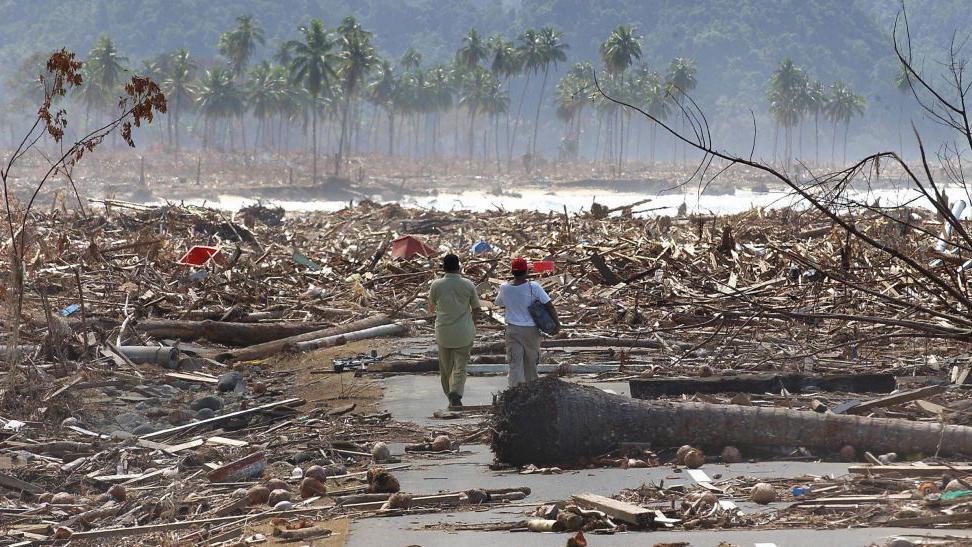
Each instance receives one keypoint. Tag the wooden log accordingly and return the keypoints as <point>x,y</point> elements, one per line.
<point>896,399</point>
<point>302,533</point>
<point>647,388</point>
<point>17,485</point>
<point>916,471</point>
<point>218,419</point>
<point>393,329</point>
<point>231,334</point>
<point>259,351</point>
<point>619,510</point>
<point>437,499</point>
<point>550,422</point>
<point>607,274</point>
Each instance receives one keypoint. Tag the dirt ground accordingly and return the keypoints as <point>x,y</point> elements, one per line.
<point>318,385</point>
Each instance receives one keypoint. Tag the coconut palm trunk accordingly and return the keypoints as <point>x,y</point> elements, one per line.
<point>314,147</point>
<point>519,110</point>
<point>391,134</point>
<point>549,422</point>
<point>536,120</point>
<point>343,137</point>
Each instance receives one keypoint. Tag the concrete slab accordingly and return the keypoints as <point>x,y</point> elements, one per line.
<point>470,470</point>
<point>404,531</point>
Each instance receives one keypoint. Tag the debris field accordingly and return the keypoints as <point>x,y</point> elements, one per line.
<point>192,375</point>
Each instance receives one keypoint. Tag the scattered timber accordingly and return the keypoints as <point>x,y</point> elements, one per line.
<point>261,350</point>
<point>647,388</point>
<point>896,399</point>
<point>393,329</point>
<point>220,332</point>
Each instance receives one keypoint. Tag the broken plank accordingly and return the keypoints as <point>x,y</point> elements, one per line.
<point>84,431</point>
<point>625,512</point>
<point>223,441</point>
<point>195,443</point>
<point>897,398</point>
<point>152,445</point>
<point>63,388</point>
<point>222,418</point>
<point>192,377</point>
<point>931,408</point>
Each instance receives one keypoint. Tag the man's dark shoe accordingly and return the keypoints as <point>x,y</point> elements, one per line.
<point>455,400</point>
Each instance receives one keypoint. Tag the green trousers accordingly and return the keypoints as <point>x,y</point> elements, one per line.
<point>452,368</point>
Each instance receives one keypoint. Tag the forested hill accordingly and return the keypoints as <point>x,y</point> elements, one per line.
<point>735,43</point>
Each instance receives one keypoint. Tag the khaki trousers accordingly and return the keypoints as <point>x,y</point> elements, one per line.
<point>452,368</point>
<point>522,353</point>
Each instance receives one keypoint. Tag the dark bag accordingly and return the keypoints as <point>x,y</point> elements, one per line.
<point>541,317</point>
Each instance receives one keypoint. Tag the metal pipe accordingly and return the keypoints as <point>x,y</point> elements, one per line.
<point>152,355</point>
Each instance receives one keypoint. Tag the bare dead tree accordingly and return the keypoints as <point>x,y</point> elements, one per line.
<point>140,100</point>
<point>936,302</point>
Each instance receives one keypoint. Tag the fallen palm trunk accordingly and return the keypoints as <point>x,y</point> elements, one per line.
<point>259,351</point>
<point>647,388</point>
<point>232,334</point>
<point>551,422</point>
<point>394,329</point>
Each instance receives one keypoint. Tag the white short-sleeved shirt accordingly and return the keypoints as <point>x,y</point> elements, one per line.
<point>517,299</point>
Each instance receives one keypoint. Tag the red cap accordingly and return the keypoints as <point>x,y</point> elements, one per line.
<point>519,265</point>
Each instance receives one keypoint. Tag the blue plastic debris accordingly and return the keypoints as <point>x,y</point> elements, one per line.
<point>304,261</point>
<point>800,490</point>
<point>66,312</point>
<point>481,247</point>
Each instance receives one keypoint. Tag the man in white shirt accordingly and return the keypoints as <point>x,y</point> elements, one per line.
<point>522,334</point>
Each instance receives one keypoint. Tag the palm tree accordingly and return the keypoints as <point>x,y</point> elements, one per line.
<point>530,55</point>
<point>411,60</point>
<point>472,51</point>
<point>284,54</point>
<point>657,103</point>
<point>178,87</point>
<point>506,63</point>
<point>218,97</point>
<point>479,89</point>
<point>680,80</point>
<point>356,60</point>
<point>572,95</point>
<point>787,99</point>
<point>381,92</point>
<point>816,104</point>
<point>312,67</point>
<point>439,97</point>
<point>844,104</point>
<point>102,75</point>
<point>620,49</point>
<point>238,44</point>
<point>156,68</point>
<point>265,92</point>
<point>551,51</point>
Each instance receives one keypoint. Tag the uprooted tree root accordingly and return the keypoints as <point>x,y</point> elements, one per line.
<point>524,415</point>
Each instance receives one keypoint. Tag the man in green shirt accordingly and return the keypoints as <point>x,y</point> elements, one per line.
<point>453,300</point>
